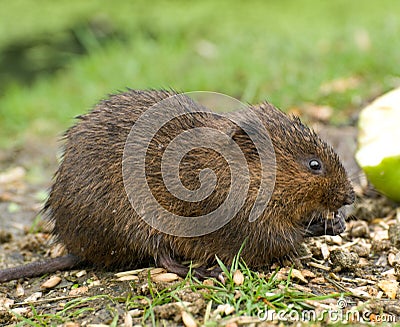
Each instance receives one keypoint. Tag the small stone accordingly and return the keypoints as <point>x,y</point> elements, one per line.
<point>157,271</point>
<point>397,271</point>
<point>20,290</point>
<point>34,297</point>
<point>380,235</point>
<point>81,273</point>
<point>364,262</point>
<point>393,308</point>
<point>238,277</point>
<point>5,303</point>
<point>5,236</point>
<point>359,228</point>
<point>51,282</point>
<point>144,289</point>
<point>389,287</point>
<point>303,250</point>
<point>208,282</point>
<point>174,309</point>
<point>281,275</point>
<point>296,274</point>
<point>391,258</point>
<point>382,261</point>
<point>316,249</point>
<point>20,311</point>
<point>79,291</point>
<point>307,273</point>
<point>188,319</point>
<point>373,291</point>
<point>238,294</point>
<point>389,274</point>
<point>128,321</point>
<point>344,259</point>
<point>381,246</point>
<point>362,251</point>
<point>396,264</point>
<point>394,235</point>
<point>165,277</point>
<point>128,278</point>
<point>337,239</point>
<point>325,251</point>
<point>227,309</point>
<point>94,283</point>
<point>135,312</point>
<point>71,324</point>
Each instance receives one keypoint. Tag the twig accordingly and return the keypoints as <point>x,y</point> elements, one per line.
<point>335,283</point>
<point>46,300</point>
<point>317,265</point>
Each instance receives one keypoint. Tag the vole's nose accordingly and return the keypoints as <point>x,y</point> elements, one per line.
<point>350,197</point>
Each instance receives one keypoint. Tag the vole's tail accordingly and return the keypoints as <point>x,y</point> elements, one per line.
<point>39,268</point>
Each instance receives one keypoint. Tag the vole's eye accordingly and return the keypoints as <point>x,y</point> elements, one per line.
<point>315,165</point>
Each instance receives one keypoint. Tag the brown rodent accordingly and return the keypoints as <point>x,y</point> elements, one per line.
<point>95,221</point>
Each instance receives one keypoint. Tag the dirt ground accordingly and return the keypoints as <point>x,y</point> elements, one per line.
<point>364,262</point>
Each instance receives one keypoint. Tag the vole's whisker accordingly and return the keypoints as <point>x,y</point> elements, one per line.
<point>310,222</point>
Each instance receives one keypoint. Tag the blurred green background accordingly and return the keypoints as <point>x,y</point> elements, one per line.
<point>58,58</point>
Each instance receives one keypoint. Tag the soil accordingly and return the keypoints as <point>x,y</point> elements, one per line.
<point>364,262</point>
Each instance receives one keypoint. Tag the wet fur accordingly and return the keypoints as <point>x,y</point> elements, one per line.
<point>95,221</point>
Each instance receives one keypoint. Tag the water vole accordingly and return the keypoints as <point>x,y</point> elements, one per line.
<point>97,223</point>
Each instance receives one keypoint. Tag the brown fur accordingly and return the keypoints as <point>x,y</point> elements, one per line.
<point>96,222</point>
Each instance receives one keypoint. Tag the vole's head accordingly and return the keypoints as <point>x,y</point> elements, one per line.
<point>310,180</point>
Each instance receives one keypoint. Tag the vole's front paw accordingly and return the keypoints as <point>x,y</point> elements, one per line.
<point>332,225</point>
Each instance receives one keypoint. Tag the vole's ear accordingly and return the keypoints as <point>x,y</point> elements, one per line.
<point>241,128</point>
<point>233,131</point>
<point>243,136</point>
